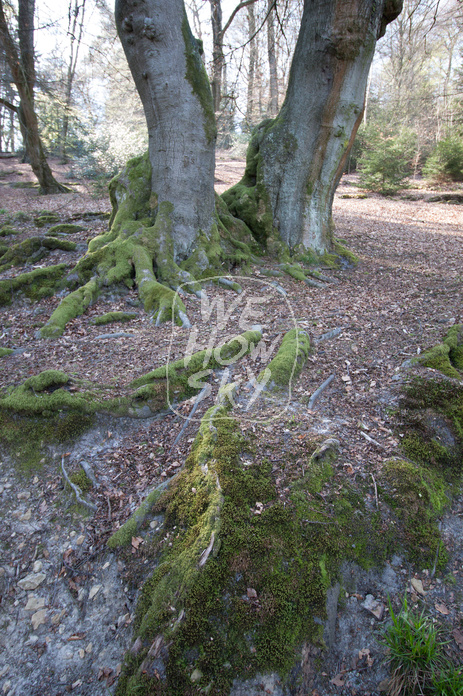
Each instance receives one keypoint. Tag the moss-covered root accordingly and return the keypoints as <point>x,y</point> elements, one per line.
<point>70,307</point>
<point>287,364</point>
<point>45,394</point>
<point>111,317</point>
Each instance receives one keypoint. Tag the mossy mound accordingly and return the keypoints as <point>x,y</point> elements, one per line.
<point>36,284</point>
<point>110,317</point>
<point>446,357</point>
<point>46,218</point>
<point>240,578</point>
<point>5,351</point>
<point>7,231</point>
<point>64,228</point>
<point>432,415</point>
<point>418,495</point>
<point>32,250</point>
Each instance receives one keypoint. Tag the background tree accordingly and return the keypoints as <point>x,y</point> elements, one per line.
<point>20,60</point>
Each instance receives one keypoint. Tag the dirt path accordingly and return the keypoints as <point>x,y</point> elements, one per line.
<point>69,632</point>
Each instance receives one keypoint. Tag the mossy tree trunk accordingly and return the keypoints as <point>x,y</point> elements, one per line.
<point>170,77</point>
<point>295,161</point>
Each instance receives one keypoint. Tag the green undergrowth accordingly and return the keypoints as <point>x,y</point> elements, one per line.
<point>26,438</point>
<point>417,656</point>
<point>240,577</point>
<point>36,284</point>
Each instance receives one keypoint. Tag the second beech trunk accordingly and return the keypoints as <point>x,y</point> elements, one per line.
<point>296,160</point>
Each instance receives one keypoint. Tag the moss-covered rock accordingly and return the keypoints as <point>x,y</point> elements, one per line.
<point>7,231</point>
<point>446,357</point>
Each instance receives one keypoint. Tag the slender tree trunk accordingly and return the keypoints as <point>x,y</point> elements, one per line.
<point>250,109</point>
<point>172,82</point>
<point>295,162</point>
<point>272,60</point>
<point>217,53</point>
<point>75,30</point>
<point>23,72</point>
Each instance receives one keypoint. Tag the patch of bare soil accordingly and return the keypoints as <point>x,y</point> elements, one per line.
<point>67,604</point>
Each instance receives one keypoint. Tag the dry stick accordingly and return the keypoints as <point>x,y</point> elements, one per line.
<point>376,490</point>
<point>320,389</point>
<point>76,489</point>
<point>373,442</point>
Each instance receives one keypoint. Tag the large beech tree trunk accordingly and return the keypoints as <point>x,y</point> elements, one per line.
<point>21,64</point>
<point>170,77</point>
<point>295,161</point>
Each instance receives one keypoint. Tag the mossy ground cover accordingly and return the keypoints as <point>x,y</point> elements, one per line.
<point>261,590</point>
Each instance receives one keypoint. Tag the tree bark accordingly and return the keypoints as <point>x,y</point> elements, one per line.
<point>73,25</point>
<point>23,72</point>
<point>252,66</point>
<point>171,80</point>
<point>295,161</point>
<point>272,60</point>
<point>217,53</point>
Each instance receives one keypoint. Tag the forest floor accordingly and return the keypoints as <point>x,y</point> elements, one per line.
<point>68,632</point>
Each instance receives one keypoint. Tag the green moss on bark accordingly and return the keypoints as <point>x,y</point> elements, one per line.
<point>110,317</point>
<point>289,360</point>
<point>32,250</point>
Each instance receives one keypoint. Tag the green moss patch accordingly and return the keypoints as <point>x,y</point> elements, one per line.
<point>241,578</point>
<point>5,351</point>
<point>27,438</point>
<point>418,496</point>
<point>446,357</point>
<point>7,231</point>
<point>45,394</point>
<point>32,250</point>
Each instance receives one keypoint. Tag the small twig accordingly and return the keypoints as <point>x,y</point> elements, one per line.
<point>109,508</point>
<point>320,389</point>
<point>376,490</point>
<point>370,439</point>
<point>76,489</point>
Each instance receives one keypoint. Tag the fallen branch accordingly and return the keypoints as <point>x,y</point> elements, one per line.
<point>320,389</point>
<point>328,334</point>
<point>373,442</point>
<point>76,489</point>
